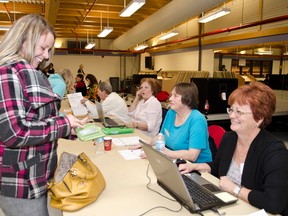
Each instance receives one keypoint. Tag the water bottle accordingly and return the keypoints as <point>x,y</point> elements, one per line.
<point>160,142</point>
<point>99,143</point>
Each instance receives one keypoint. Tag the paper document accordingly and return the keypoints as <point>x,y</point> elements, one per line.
<point>77,107</point>
<point>261,212</point>
<point>131,154</point>
<point>126,141</point>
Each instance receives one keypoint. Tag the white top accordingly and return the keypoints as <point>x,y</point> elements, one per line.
<point>113,105</point>
<point>149,112</point>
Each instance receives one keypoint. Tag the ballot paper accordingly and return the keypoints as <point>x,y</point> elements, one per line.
<point>78,109</point>
<point>126,141</point>
<point>131,154</point>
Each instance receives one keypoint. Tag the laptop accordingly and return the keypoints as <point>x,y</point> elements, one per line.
<point>171,180</point>
<point>106,122</point>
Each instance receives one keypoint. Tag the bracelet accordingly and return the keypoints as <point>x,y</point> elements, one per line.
<point>237,190</point>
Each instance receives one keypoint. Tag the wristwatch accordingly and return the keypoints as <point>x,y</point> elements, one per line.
<point>236,190</point>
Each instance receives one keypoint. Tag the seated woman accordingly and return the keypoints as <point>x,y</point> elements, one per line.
<point>185,128</point>
<point>146,110</point>
<point>80,85</point>
<point>92,87</point>
<point>251,163</point>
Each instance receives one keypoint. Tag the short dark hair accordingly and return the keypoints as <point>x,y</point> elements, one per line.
<point>189,94</point>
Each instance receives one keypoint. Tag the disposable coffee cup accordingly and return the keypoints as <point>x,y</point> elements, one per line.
<point>107,143</point>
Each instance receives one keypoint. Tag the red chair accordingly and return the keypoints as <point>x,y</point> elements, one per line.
<point>216,132</point>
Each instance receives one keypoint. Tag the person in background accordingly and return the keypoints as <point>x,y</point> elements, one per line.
<point>146,110</point>
<point>112,103</point>
<point>58,84</point>
<point>92,87</point>
<point>68,78</point>
<point>223,68</point>
<point>80,70</point>
<point>30,122</point>
<point>251,163</point>
<point>80,85</point>
<point>184,127</point>
<point>51,69</point>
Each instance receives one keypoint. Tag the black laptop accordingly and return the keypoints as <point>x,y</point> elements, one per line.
<point>191,190</point>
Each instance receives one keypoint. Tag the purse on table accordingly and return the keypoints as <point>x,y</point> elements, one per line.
<point>76,183</point>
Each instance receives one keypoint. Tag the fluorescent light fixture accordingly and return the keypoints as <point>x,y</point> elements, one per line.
<point>4,28</point>
<point>214,15</point>
<point>141,46</point>
<point>168,35</point>
<point>4,1</point>
<point>90,45</point>
<point>264,52</point>
<point>132,7</point>
<point>105,31</point>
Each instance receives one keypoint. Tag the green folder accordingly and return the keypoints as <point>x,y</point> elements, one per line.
<point>89,132</point>
<point>117,130</point>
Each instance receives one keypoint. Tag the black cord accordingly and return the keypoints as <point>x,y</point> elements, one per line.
<point>159,207</point>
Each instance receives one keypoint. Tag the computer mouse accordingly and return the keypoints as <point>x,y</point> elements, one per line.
<point>180,161</point>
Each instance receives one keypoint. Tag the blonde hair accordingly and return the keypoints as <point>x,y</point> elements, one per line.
<point>68,79</point>
<point>28,29</point>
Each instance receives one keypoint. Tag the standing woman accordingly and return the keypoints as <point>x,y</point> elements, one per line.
<point>92,88</point>
<point>146,110</point>
<point>184,127</point>
<point>30,122</point>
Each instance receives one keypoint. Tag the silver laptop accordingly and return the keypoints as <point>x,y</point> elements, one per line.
<point>177,185</point>
<point>106,122</point>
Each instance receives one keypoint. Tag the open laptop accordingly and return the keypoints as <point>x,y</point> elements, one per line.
<point>171,180</point>
<point>106,122</point>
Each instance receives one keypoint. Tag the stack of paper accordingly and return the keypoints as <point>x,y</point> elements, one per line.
<point>78,109</point>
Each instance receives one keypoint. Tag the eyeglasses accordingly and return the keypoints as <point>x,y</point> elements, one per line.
<point>236,112</point>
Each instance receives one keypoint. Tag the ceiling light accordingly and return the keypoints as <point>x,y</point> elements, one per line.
<point>141,46</point>
<point>105,31</point>
<point>4,28</point>
<point>168,35</point>
<point>214,15</point>
<point>4,1</point>
<point>262,51</point>
<point>90,45</point>
<point>132,7</point>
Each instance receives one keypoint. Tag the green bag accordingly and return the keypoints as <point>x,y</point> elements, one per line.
<point>117,130</point>
<point>89,132</point>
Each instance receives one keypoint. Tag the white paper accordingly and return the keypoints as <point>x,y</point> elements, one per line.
<point>226,197</point>
<point>261,212</point>
<point>131,154</point>
<point>77,107</point>
<point>126,141</point>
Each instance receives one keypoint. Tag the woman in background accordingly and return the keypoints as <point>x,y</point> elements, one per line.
<point>185,128</point>
<point>251,163</point>
<point>80,85</point>
<point>30,122</point>
<point>146,110</point>
<point>92,87</point>
<point>68,78</point>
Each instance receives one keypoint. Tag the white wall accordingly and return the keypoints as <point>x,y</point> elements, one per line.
<point>102,68</point>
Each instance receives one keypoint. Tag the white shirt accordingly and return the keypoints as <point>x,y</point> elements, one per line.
<point>149,112</point>
<point>113,105</point>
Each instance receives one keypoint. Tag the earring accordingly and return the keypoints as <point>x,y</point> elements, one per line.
<point>257,125</point>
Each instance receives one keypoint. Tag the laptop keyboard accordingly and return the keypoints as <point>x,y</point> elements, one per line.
<point>111,122</point>
<point>200,196</point>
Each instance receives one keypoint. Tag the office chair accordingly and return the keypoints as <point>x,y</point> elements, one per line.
<point>216,132</point>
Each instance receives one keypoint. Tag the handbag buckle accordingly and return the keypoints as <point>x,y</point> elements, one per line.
<point>74,172</point>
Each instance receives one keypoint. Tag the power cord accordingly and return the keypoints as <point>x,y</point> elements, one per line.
<point>158,207</point>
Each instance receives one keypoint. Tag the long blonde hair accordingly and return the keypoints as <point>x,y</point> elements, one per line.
<point>68,79</point>
<point>28,29</point>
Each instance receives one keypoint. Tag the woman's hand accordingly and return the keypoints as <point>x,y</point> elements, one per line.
<point>84,100</point>
<point>186,168</point>
<point>132,125</point>
<point>75,122</point>
<point>226,184</point>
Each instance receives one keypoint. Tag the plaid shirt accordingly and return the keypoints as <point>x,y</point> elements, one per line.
<point>30,126</point>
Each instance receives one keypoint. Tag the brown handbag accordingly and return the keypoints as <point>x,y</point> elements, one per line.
<point>76,184</point>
